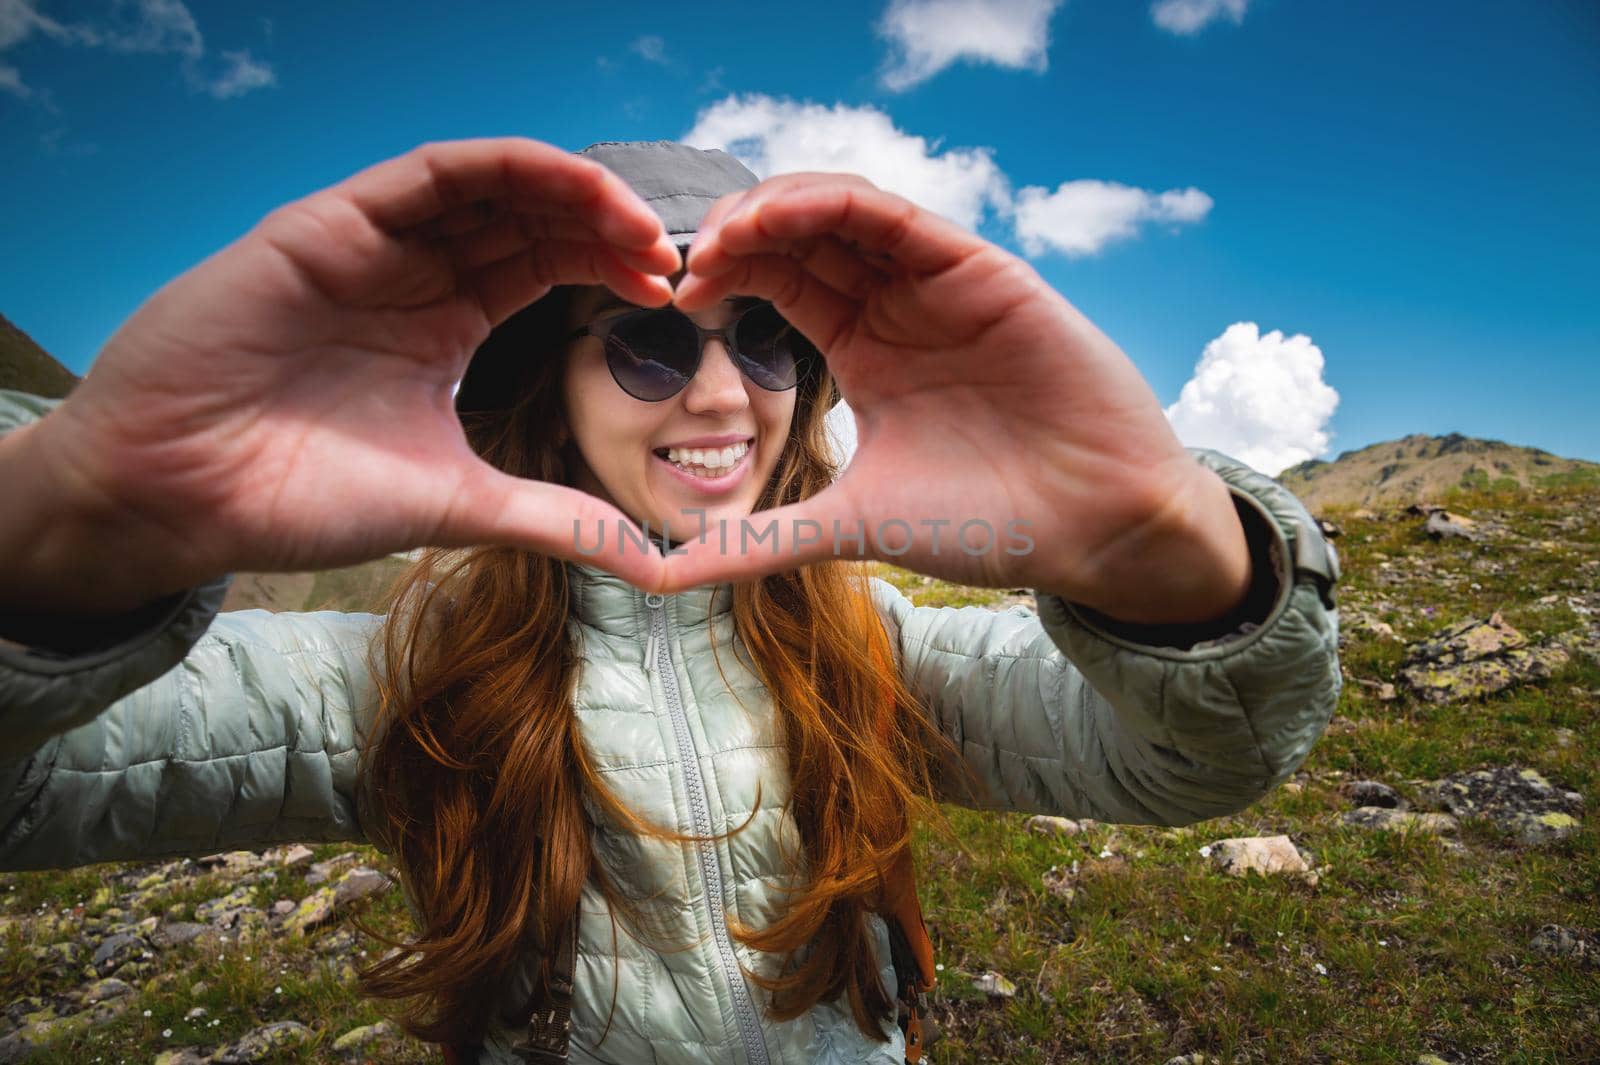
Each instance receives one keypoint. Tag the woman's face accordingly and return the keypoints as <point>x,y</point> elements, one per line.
<point>626,447</point>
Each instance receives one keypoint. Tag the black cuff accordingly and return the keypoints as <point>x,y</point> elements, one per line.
<point>60,637</point>
<point>1254,609</point>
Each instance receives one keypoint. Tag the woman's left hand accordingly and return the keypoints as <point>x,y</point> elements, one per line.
<point>979,393</point>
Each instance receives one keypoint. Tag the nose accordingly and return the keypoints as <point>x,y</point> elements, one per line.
<point>718,386</point>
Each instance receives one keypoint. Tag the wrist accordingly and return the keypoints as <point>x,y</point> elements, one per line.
<point>1187,564</point>
<point>65,556</point>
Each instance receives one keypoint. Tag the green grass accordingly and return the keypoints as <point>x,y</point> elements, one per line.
<point>1422,944</point>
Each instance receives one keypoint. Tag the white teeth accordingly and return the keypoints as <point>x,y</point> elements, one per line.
<point>711,459</point>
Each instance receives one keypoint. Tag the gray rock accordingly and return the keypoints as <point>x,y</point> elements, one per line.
<point>358,1039</point>
<point>1517,800</point>
<point>108,988</point>
<point>1374,793</point>
<point>359,883</point>
<point>264,1042</point>
<point>1476,658</point>
<point>116,951</point>
<point>1562,942</point>
<point>321,872</point>
<point>1044,825</point>
<point>1385,819</point>
<point>176,933</point>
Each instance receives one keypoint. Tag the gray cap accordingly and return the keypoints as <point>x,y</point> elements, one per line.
<point>679,183</point>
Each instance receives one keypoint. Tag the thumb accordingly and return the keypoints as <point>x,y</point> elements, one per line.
<point>496,508</point>
<point>823,528</point>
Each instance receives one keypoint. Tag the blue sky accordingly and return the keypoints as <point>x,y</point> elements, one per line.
<point>1407,190</point>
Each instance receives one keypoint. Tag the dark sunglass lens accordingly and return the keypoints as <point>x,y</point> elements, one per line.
<point>772,350</point>
<point>652,354</point>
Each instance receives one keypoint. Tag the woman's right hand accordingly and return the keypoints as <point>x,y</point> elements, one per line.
<point>287,404</point>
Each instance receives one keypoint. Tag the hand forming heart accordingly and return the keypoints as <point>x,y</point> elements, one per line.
<point>286,404</point>
<point>981,396</point>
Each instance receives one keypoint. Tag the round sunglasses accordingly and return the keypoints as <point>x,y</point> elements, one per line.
<point>653,353</point>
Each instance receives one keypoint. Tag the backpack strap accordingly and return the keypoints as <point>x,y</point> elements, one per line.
<point>910,947</point>
<point>550,1019</point>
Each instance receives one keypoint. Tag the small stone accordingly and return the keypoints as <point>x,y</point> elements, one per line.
<point>994,985</point>
<point>295,856</point>
<point>116,951</point>
<point>1043,825</point>
<point>176,933</point>
<point>283,907</point>
<point>1383,818</point>
<point>1562,942</point>
<point>108,988</point>
<point>181,1056</point>
<point>265,1042</point>
<point>357,1039</point>
<point>196,1013</point>
<point>359,883</point>
<point>1267,855</point>
<point>1374,793</point>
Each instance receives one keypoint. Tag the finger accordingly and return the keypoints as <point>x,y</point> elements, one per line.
<point>434,179</point>
<point>512,234</point>
<point>494,507</point>
<point>878,222</point>
<point>821,529</point>
<point>820,312</point>
<point>731,203</point>
<point>504,287</point>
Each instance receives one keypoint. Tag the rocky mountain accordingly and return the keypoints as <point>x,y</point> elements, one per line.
<point>1419,468</point>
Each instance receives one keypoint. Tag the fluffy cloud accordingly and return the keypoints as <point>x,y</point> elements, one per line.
<point>1258,398</point>
<point>241,75</point>
<point>1081,217</point>
<point>925,36</point>
<point>1191,16</point>
<point>152,27</point>
<point>774,136</point>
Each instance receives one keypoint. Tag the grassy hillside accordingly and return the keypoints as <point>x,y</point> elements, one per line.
<point>1119,943</point>
<point>1421,468</point>
<point>27,367</point>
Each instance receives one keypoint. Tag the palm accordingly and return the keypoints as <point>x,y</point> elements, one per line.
<point>288,403</point>
<point>980,395</point>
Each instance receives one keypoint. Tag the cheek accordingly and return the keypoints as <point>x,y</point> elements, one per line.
<point>610,428</point>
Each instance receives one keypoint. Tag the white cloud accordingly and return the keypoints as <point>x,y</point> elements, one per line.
<point>149,27</point>
<point>1081,217</point>
<point>1188,17</point>
<point>925,36</point>
<point>650,47</point>
<point>775,136</point>
<point>1260,399</point>
<point>241,76</point>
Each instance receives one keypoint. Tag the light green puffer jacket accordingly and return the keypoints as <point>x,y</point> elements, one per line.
<point>194,732</point>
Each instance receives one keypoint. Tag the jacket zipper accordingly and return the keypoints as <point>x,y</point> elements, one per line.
<point>658,655</point>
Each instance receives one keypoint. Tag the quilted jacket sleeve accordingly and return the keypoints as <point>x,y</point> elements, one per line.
<point>175,730</point>
<point>1068,712</point>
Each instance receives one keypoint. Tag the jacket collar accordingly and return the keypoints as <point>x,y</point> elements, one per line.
<point>607,602</point>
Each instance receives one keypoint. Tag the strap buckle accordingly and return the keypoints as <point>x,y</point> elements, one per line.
<point>1315,555</point>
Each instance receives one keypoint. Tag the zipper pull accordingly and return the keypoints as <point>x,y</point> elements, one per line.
<point>653,601</point>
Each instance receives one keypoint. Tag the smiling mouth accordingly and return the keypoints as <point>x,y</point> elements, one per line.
<point>707,463</point>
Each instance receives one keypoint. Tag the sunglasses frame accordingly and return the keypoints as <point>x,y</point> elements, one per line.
<point>602,328</point>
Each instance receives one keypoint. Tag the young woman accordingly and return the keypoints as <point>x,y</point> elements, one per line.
<point>678,772</point>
